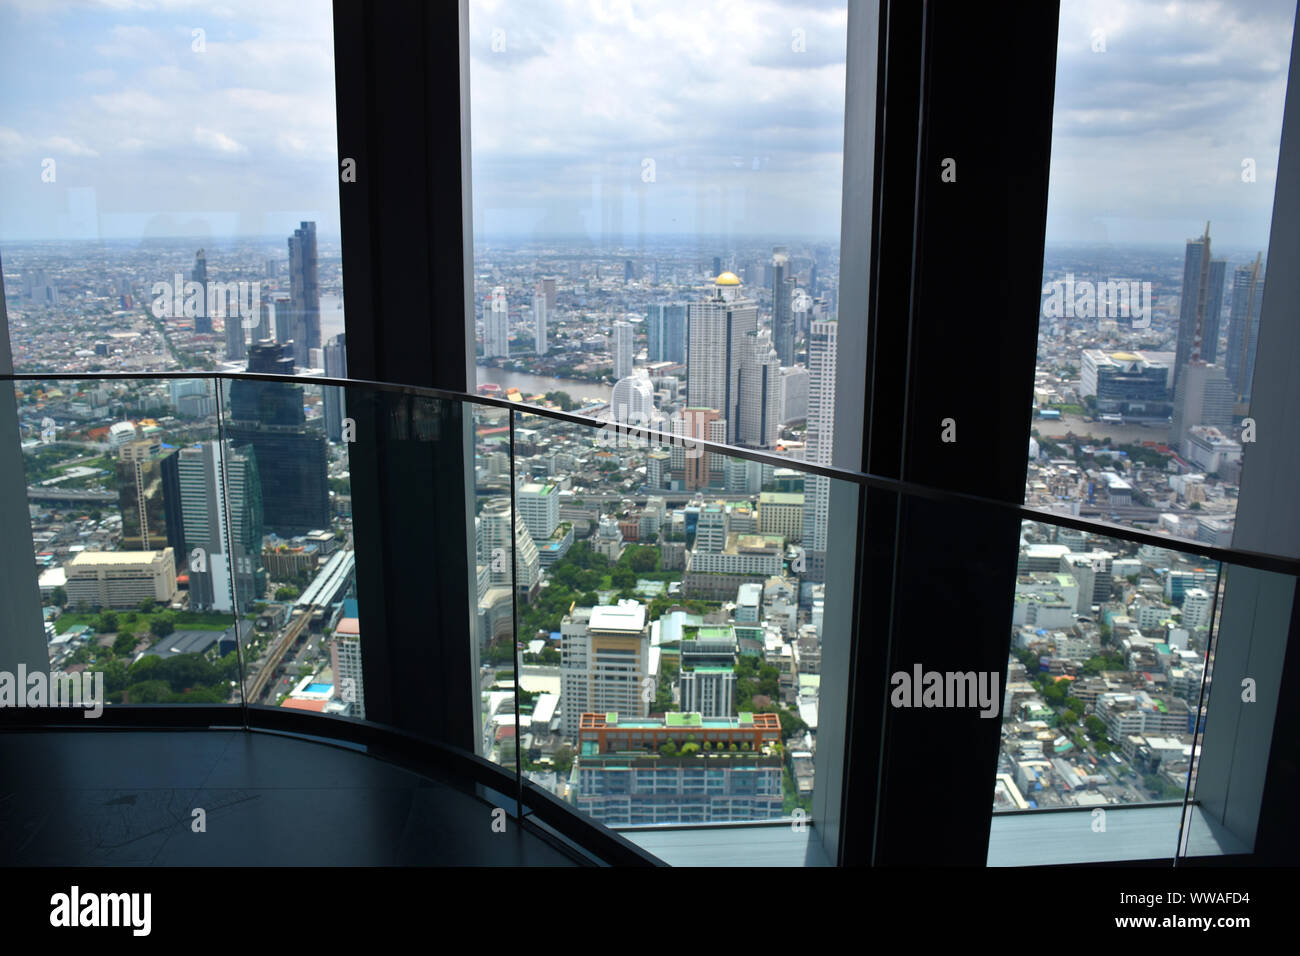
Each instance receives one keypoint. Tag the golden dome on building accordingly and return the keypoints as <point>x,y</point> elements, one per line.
<point>727,278</point>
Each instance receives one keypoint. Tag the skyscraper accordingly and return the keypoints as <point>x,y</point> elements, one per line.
<point>782,309</point>
<point>304,291</point>
<point>1243,333</point>
<point>606,656</point>
<point>716,344</point>
<point>548,289</point>
<point>202,320</point>
<point>758,392</point>
<point>666,332</point>
<point>623,344</point>
<point>822,348</point>
<point>1204,397</point>
<point>539,323</point>
<point>496,325</point>
<point>202,474</point>
<point>1199,308</point>
<point>496,544</point>
<point>149,498</point>
<point>336,366</point>
<point>236,343</point>
<point>291,458</point>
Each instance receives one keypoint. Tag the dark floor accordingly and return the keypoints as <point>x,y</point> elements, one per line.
<point>127,798</point>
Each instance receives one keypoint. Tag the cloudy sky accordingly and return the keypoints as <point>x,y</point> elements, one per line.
<point>606,119</point>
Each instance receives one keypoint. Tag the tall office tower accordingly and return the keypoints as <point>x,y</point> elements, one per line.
<point>758,399</point>
<point>291,457</point>
<point>623,342</point>
<point>265,324</point>
<point>717,265</point>
<point>149,497</point>
<point>711,528</point>
<point>1243,334</point>
<point>629,271</point>
<point>304,290</point>
<point>335,399</point>
<point>716,345</point>
<point>605,655</point>
<point>708,672</point>
<point>539,324</point>
<point>812,281</point>
<point>201,473</point>
<point>695,464</point>
<point>272,268</point>
<point>1204,397</point>
<point>496,325</point>
<point>782,306</point>
<point>548,289</point>
<point>633,400</point>
<point>283,318</point>
<point>539,505</point>
<point>345,659</point>
<point>822,347</point>
<point>236,336</point>
<point>495,544</point>
<point>203,320</point>
<point>666,332</point>
<point>1198,311</point>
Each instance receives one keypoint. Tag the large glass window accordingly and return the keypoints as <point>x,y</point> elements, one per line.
<point>169,193</point>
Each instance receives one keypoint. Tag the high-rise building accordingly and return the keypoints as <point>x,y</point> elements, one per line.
<point>1199,308</point>
<point>782,306</point>
<point>677,769</point>
<point>1204,397</point>
<point>633,400</point>
<point>149,497</point>
<point>335,399</point>
<point>604,658</point>
<point>283,317</point>
<point>708,671</point>
<point>548,290</point>
<point>539,505</point>
<point>212,549</point>
<point>666,332</point>
<point>716,345</point>
<point>236,335</point>
<point>291,457</point>
<point>496,325</point>
<point>758,398</point>
<point>696,464</point>
<point>203,319</point>
<point>345,659</point>
<point>1243,333</point>
<point>304,292</point>
<point>539,324</point>
<point>717,265</point>
<point>1134,384</point>
<point>822,348</point>
<point>623,349</point>
<point>496,544</point>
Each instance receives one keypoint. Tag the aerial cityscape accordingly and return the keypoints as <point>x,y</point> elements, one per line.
<point>670,601</point>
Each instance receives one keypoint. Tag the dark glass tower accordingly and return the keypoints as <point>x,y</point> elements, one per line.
<point>1243,333</point>
<point>782,307</point>
<point>1202,301</point>
<point>202,321</point>
<point>304,292</point>
<point>291,457</point>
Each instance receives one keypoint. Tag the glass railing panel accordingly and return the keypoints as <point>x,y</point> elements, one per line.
<point>289,496</point>
<point>125,498</point>
<point>1105,698</point>
<point>674,638</point>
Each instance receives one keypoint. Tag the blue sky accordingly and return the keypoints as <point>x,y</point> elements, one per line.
<point>606,119</point>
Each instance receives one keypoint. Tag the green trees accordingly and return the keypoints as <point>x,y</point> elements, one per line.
<point>124,644</point>
<point>59,597</point>
<point>162,625</point>
<point>147,605</point>
<point>563,759</point>
<point>106,623</point>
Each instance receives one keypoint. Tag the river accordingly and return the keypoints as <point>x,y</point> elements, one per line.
<point>535,384</point>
